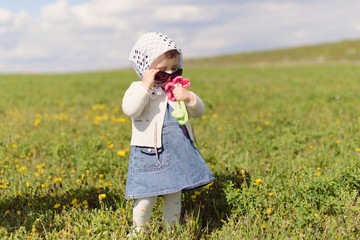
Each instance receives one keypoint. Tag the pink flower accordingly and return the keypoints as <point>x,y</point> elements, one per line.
<point>178,81</point>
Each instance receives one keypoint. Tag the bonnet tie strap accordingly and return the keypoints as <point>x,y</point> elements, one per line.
<point>193,132</point>
<point>155,143</point>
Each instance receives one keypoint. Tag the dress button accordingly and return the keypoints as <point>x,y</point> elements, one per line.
<point>149,149</point>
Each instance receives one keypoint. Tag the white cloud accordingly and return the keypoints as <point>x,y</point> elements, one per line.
<point>99,34</point>
<point>300,34</point>
<point>96,14</point>
<point>24,52</point>
<point>115,6</point>
<point>57,12</point>
<point>357,26</point>
<point>5,16</point>
<point>180,13</point>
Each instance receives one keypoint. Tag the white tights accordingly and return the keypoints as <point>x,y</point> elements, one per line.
<point>143,208</point>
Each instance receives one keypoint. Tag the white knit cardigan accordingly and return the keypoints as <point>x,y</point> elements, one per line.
<point>148,114</point>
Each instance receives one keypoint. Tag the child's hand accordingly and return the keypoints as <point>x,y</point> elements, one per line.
<point>148,79</point>
<point>181,93</point>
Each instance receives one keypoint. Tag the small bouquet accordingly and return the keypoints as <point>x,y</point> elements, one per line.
<point>179,112</point>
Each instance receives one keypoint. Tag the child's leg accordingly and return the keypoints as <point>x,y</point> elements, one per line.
<point>142,212</point>
<point>171,209</point>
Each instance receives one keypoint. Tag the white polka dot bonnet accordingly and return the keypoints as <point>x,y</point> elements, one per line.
<point>149,47</point>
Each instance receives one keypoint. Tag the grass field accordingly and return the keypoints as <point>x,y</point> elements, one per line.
<point>283,143</point>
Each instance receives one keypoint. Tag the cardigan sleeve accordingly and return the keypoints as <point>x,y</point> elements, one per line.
<point>135,99</point>
<point>195,108</point>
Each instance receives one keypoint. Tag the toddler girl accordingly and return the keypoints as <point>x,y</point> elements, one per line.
<point>163,159</point>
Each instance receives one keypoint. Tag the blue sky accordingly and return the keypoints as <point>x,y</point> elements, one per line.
<point>91,35</point>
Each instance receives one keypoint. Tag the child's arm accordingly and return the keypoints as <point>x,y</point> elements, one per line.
<point>135,99</point>
<point>195,108</point>
<point>137,94</point>
<point>194,105</point>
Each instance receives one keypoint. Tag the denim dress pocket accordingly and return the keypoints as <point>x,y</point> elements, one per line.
<point>145,159</point>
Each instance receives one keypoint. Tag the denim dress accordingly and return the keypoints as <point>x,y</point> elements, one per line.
<point>178,165</point>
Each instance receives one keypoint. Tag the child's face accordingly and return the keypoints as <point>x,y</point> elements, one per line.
<point>165,64</point>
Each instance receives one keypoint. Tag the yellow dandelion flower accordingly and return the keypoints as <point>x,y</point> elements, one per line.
<point>263,226</point>
<point>37,122</point>
<point>4,186</point>
<point>271,194</point>
<point>74,201</point>
<point>317,174</point>
<point>101,106</point>
<point>57,179</point>
<point>121,153</point>
<point>357,150</point>
<point>102,197</point>
<point>268,211</point>
<point>210,184</point>
<point>257,181</point>
<point>56,205</point>
<point>120,120</point>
